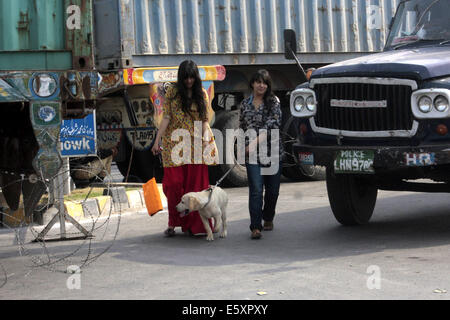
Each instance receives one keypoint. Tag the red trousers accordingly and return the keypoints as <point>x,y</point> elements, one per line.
<point>178,181</point>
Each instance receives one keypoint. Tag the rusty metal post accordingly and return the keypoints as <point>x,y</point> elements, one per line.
<point>61,216</point>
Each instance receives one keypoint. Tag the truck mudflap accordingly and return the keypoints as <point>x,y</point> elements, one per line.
<point>367,160</point>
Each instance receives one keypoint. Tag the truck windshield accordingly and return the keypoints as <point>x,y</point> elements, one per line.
<point>420,22</point>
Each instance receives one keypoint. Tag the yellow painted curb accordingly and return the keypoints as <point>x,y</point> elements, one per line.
<point>74,209</point>
<point>104,204</point>
<point>161,192</point>
<point>134,199</point>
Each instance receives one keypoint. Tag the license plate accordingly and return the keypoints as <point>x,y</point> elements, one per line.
<point>354,161</point>
<point>306,158</point>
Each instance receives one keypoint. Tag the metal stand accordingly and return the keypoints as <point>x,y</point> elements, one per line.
<point>62,215</point>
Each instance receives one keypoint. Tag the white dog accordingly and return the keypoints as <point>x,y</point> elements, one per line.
<point>208,206</point>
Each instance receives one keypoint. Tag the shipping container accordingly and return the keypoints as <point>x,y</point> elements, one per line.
<point>136,33</point>
<point>46,35</point>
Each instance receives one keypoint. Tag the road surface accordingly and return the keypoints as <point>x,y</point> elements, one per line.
<point>401,254</point>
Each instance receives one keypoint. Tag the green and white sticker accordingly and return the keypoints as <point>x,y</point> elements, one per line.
<point>46,113</point>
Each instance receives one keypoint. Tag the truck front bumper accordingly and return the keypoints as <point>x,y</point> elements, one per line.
<point>390,158</point>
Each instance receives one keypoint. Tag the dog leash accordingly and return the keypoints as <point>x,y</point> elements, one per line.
<point>211,189</point>
<point>225,175</point>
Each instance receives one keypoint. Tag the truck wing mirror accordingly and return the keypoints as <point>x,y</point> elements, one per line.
<point>290,48</point>
<point>391,23</point>
<point>290,44</point>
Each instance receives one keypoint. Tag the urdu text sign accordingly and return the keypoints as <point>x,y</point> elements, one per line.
<point>78,137</point>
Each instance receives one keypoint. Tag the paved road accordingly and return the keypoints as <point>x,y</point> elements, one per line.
<point>402,254</point>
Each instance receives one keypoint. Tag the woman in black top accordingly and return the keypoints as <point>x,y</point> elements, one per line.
<point>261,112</point>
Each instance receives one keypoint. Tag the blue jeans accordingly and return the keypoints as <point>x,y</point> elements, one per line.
<point>259,183</point>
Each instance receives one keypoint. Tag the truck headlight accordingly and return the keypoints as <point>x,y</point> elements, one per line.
<point>441,103</point>
<point>311,104</point>
<point>303,103</point>
<point>299,103</point>
<point>425,104</point>
<point>431,103</point>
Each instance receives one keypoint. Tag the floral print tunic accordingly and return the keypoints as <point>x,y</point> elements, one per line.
<point>265,117</point>
<point>179,120</point>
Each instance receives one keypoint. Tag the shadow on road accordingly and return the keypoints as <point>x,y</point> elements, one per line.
<point>401,222</point>
<point>398,223</point>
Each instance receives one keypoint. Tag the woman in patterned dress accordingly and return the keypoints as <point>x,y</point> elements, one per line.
<point>185,125</point>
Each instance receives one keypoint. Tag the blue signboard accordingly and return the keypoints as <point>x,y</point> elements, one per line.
<point>78,137</point>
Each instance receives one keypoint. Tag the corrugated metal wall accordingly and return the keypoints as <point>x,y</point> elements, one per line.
<point>256,26</point>
<point>31,25</point>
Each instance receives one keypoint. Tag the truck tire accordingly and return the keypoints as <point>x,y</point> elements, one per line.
<point>352,198</point>
<point>218,117</point>
<point>291,169</point>
<point>143,163</point>
<point>238,176</point>
<point>123,169</point>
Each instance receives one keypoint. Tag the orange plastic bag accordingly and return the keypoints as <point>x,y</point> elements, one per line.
<point>152,197</point>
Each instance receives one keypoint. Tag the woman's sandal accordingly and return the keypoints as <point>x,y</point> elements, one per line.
<point>170,232</point>
<point>268,226</point>
<point>256,234</point>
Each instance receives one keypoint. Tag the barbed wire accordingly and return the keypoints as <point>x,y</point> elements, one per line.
<point>57,256</point>
<point>4,278</point>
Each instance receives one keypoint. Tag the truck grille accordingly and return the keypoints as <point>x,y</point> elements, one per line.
<point>389,107</point>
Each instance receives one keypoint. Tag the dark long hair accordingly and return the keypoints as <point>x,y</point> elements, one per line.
<point>188,69</point>
<point>264,76</point>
